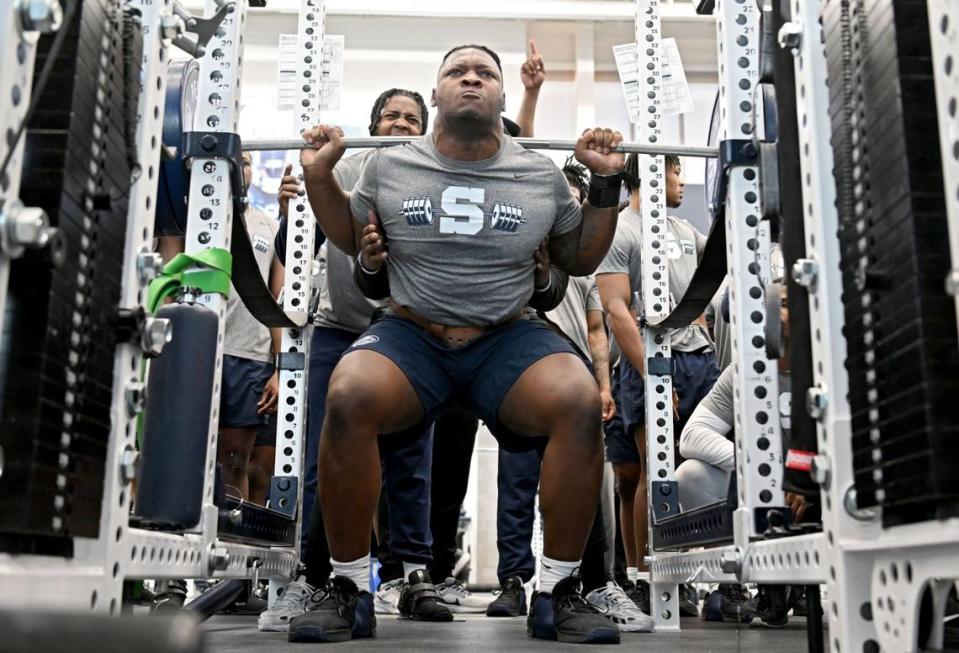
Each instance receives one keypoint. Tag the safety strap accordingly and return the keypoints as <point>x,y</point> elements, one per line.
<point>706,281</point>
<point>250,286</point>
<point>208,270</point>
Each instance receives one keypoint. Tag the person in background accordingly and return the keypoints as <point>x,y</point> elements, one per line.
<point>694,364</point>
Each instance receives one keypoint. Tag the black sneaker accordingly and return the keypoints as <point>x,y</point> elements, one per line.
<point>688,598</point>
<point>729,603</point>
<point>566,617</point>
<point>419,600</point>
<point>338,612</point>
<point>772,608</point>
<point>638,593</point>
<point>511,601</point>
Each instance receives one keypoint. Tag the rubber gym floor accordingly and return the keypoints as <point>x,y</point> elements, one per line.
<point>477,633</point>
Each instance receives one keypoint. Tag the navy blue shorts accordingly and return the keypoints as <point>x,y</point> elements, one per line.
<point>694,374</point>
<point>480,374</point>
<point>614,430</point>
<point>240,390</point>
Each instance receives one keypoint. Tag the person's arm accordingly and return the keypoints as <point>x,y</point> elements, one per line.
<point>599,353</point>
<point>700,243</point>
<point>369,270</point>
<point>289,188</point>
<point>550,295</point>
<point>330,203</point>
<point>532,74</point>
<point>549,282</point>
<point>271,391</point>
<point>704,437</point>
<point>373,284</point>
<point>614,290</point>
<point>579,249</point>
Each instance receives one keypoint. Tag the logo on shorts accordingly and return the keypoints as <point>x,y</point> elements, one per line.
<point>365,340</point>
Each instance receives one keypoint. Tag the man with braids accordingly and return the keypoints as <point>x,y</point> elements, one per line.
<point>464,209</point>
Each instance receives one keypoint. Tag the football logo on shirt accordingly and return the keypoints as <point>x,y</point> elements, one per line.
<point>461,212</point>
<point>675,250</point>
<point>261,244</point>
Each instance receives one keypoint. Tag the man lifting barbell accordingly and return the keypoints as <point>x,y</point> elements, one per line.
<point>455,329</point>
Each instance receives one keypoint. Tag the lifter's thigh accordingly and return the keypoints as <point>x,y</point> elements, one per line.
<point>368,389</point>
<point>555,391</point>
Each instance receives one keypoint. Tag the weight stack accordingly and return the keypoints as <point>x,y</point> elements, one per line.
<point>900,323</point>
<point>57,354</point>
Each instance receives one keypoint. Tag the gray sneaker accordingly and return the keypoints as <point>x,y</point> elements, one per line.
<point>458,598</point>
<point>291,603</point>
<point>387,597</point>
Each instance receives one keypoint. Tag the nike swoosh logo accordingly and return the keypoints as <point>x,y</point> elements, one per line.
<point>520,175</point>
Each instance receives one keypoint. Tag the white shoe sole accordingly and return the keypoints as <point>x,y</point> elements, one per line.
<point>635,628</point>
<point>273,625</point>
<point>631,627</point>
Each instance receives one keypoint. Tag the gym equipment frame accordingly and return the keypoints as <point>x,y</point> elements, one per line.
<point>877,577</point>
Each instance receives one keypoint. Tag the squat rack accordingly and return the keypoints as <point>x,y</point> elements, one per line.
<point>875,576</point>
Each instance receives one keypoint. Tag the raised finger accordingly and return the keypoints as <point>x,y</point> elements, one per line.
<point>532,48</point>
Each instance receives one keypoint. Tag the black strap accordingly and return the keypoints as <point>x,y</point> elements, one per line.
<point>249,283</point>
<point>705,283</point>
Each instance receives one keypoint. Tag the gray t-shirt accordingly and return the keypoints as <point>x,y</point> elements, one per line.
<point>570,316</point>
<point>684,246</point>
<point>243,335</point>
<point>462,233</point>
<point>341,304</point>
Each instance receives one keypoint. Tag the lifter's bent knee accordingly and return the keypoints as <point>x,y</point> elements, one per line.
<point>350,404</point>
<point>579,410</point>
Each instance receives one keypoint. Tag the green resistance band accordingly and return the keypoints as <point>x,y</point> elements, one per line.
<point>213,276</point>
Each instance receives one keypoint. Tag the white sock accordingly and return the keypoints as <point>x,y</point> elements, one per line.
<point>642,575</point>
<point>410,567</point>
<point>632,574</point>
<point>357,571</point>
<point>553,571</point>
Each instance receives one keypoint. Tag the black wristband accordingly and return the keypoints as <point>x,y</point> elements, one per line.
<point>604,190</point>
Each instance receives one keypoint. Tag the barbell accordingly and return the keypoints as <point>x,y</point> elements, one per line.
<point>368,142</point>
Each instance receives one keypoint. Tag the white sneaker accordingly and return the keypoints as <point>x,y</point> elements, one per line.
<point>615,605</point>
<point>387,598</point>
<point>454,594</point>
<point>291,603</point>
